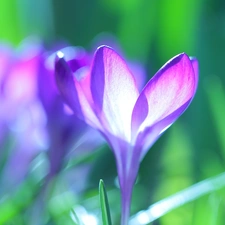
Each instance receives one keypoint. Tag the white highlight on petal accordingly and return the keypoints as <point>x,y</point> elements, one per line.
<point>60,54</point>
<point>73,52</point>
<point>117,95</point>
<point>165,128</point>
<point>68,53</point>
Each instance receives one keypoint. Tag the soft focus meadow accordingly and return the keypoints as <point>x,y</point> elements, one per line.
<point>52,155</point>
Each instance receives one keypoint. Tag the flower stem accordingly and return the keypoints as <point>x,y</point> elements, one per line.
<point>126,193</point>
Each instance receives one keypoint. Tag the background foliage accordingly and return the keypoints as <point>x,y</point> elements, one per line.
<point>151,32</point>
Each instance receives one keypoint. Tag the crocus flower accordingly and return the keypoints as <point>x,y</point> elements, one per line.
<point>108,99</point>
<point>21,114</point>
<point>68,135</point>
<point>136,67</point>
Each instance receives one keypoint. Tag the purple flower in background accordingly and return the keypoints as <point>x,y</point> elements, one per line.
<point>68,135</point>
<point>107,98</point>
<point>21,115</point>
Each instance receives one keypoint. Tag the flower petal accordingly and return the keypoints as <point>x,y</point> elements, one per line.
<point>151,134</point>
<point>66,84</point>
<point>172,87</point>
<point>72,92</point>
<point>114,91</point>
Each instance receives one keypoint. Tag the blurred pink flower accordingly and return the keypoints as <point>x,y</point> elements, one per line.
<point>22,118</point>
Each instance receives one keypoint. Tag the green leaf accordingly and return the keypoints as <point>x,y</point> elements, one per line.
<point>194,192</point>
<point>106,218</point>
<point>16,202</point>
<point>10,22</point>
<point>75,217</point>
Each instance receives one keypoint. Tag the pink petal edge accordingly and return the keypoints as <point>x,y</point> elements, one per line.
<point>172,86</point>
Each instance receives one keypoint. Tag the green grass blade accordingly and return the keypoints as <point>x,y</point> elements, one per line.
<point>106,218</point>
<point>75,217</point>
<point>172,202</point>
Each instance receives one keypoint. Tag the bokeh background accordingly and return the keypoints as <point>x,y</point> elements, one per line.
<point>149,32</point>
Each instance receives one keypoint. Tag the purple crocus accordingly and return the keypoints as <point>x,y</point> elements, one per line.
<point>107,98</point>
<point>67,133</point>
<point>21,114</point>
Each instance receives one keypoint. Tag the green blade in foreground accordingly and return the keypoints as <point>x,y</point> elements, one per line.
<point>189,194</point>
<point>75,218</point>
<point>106,218</point>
